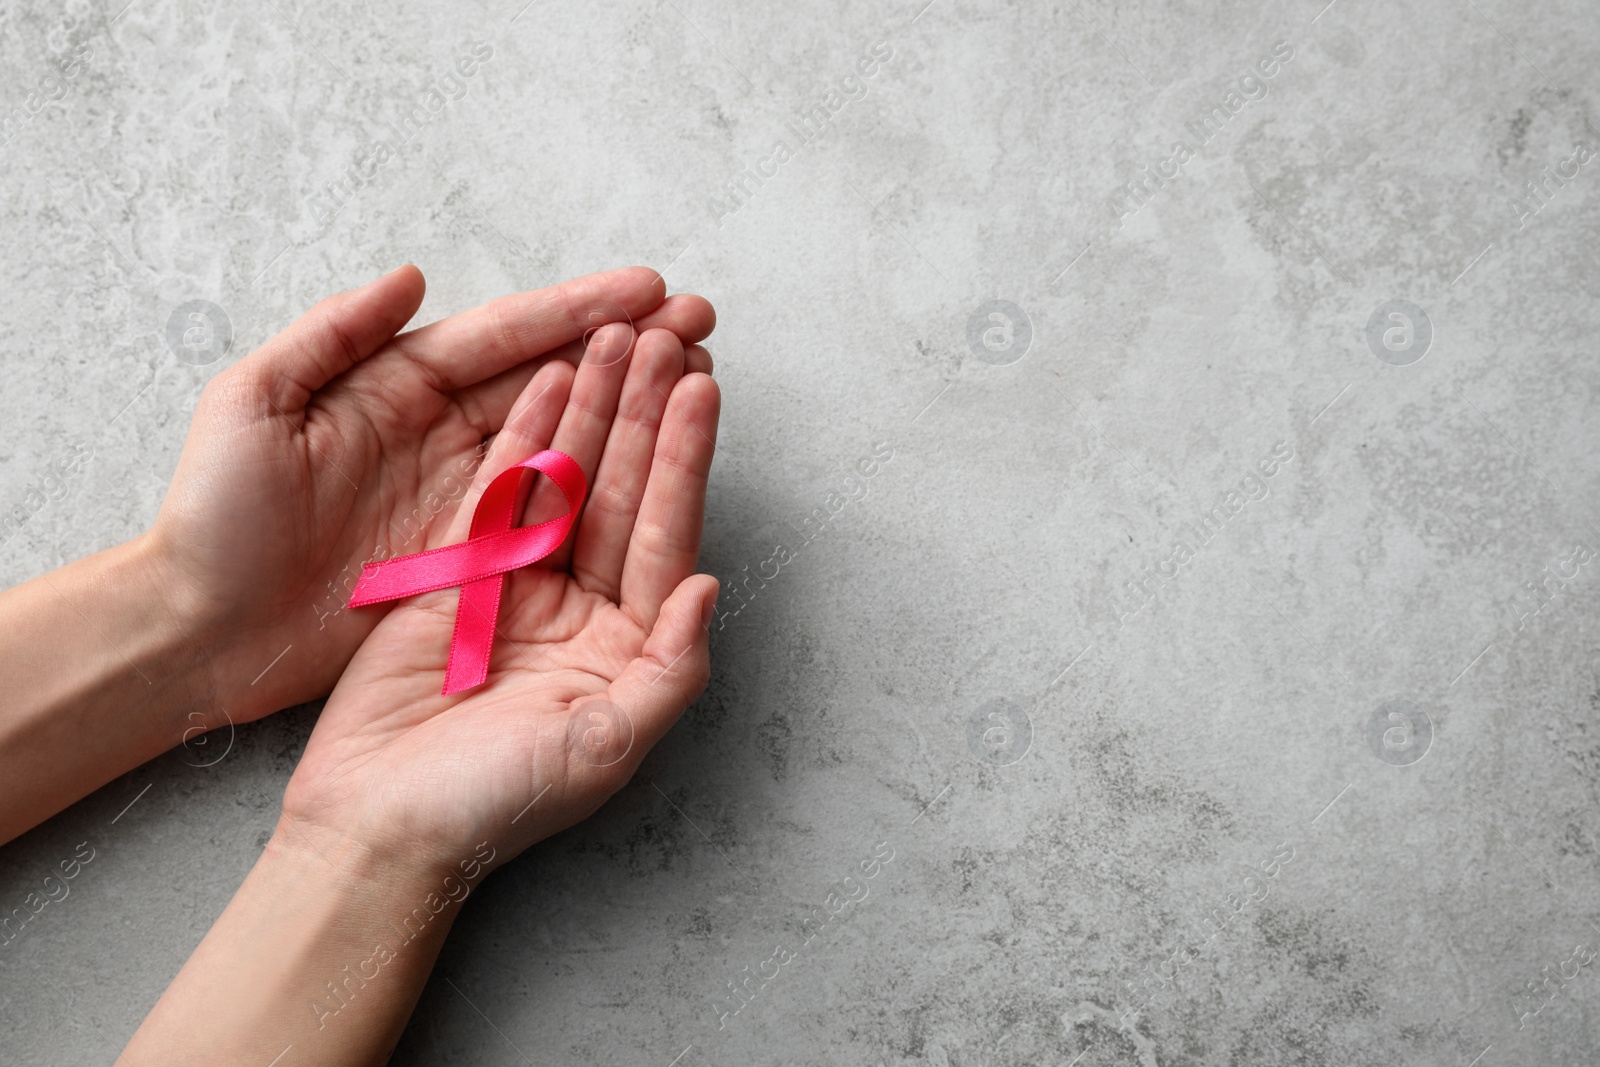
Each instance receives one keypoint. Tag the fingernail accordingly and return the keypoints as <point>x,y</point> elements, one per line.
<point>707,611</point>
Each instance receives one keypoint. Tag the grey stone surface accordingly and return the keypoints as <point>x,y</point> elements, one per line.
<point>1079,872</point>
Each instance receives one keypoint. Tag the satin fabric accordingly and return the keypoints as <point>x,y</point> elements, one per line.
<point>479,564</point>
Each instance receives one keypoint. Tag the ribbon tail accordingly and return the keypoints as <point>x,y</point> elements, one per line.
<point>472,642</point>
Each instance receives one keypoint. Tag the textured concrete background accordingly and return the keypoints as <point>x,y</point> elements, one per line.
<point>1318,787</point>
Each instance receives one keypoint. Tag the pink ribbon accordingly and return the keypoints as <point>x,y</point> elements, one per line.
<point>479,564</point>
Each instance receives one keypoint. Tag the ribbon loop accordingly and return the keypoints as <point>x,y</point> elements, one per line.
<point>479,564</point>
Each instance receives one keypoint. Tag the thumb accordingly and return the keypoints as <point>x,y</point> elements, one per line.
<point>674,666</point>
<point>332,337</point>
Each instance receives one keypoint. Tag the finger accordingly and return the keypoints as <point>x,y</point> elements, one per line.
<point>673,668</point>
<point>696,360</point>
<point>486,403</point>
<point>690,317</point>
<point>478,344</point>
<point>585,424</point>
<point>601,546</point>
<point>666,535</point>
<point>332,337</point>
<point>528,428</point>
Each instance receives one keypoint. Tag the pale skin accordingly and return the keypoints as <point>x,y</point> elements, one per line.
<point>299,462</point>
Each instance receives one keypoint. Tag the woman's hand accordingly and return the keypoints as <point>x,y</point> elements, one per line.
<point>403,797</point>
<point>339,442</point>
<point>599,649</point>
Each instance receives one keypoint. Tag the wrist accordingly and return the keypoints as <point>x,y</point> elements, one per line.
<point>98,665</point>
<point>147,633</point>
<point>257,650</point>
<point>188,621</point>
<point>415,889</point>
<point>325,949</point>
